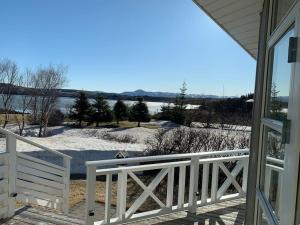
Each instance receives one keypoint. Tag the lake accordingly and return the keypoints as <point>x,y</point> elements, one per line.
<point>65,103</point>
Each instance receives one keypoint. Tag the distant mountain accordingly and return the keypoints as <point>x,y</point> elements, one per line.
<point>129,95</point>
<point>141,92</point>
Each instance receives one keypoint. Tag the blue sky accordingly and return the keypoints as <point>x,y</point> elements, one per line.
<point>124,45</point>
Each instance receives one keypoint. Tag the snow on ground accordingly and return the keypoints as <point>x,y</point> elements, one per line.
<point>82,144</point>
<point>86,144</point>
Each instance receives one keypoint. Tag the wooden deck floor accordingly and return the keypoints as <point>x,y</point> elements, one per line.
<point>225,213</point>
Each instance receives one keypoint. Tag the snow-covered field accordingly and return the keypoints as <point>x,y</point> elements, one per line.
<point>87,144</point>
<point>82,144</point>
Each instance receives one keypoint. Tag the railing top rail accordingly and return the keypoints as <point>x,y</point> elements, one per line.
<point>166,165</point>
<point>18,137</point>
<point>165,157</point>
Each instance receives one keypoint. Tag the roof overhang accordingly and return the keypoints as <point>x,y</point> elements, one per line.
<point>239,18</point>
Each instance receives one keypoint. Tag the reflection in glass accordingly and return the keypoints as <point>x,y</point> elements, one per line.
<point>262,219</point>
<point>279,79</point>
<point>274,167</point>
<point>280,9</point>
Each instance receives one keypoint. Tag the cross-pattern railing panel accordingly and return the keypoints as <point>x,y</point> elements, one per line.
<point>183,175</point>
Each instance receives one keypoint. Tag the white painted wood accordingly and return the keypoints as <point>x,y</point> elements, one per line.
<point>181,188</point>
<point>214,183</point>
<point>170,187</point>
<point>41,167</point>
<point>123,194</point>
<point>39,161</point>
<point>90,194</point>
<point>145,194</point>
<point>146,189</point>
<point>39,173</point>
<point>38,187</point>
<point>4,172</point>
<point>66,181</point>
<point>108,195</point>
<point>41,202</point>
<point>4,183</point>
<point>245,175</point>
<point>232,177</point>
<point>204,190</point>
<point>123,216</point>
<point>234,17</point>
<point>194,177</point>
<point>39,195</point>
<point>11,148</point>
<point>3,211</point>
<point>3,197</point>
<point>18,137</point>
<point>38,180</point>
<point>156,159</point>
<point>229,181</point>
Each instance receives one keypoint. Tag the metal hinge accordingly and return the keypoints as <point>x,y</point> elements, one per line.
<point>293,44</point>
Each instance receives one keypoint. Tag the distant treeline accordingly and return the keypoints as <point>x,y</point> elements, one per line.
<point>73,93</point>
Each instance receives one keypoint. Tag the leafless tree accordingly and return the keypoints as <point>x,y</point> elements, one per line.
<point>26,81</point>
<point>48,80</point>
<point>9,78</point>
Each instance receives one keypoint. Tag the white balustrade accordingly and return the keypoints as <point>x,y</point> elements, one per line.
<point>31,180</point>
<point>189,195</point>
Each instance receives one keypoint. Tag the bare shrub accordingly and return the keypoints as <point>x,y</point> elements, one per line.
<point>189,140</point>
<point>126,138</point>
<point>56,118</point>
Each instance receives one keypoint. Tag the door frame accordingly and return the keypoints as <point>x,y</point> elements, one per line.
<point>293,17</point>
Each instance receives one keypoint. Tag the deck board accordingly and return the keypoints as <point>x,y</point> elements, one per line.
<point>225,213</point>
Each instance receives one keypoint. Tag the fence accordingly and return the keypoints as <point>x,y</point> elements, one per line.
<point>213,163</point>
<point>31,180</point>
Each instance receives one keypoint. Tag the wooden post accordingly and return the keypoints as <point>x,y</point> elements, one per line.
<point>215,183</point>
<point>245,175</point>
<point>67,166</point>
<point>121,195</point>
<point>194,179</point>
<point>91,193</point>
<point>205,176</point>
<point>11,148</point>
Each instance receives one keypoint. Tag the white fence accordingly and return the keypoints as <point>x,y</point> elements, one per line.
<point>31,180</point>
<point>211,191</point>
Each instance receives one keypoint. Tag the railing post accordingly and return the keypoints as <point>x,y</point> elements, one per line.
<point>121,195</point>
<point>194,179</point>
<point>215,181</point>
<point>11,148</point>
<point>91,193</point>
<point>245,175</point>
<point>67,166</point>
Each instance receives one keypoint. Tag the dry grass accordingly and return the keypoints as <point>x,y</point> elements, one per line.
<point>12,118</point>
<point>77,191</point>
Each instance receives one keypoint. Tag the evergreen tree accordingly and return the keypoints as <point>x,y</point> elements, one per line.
<point>166,112</point>
<point>180,106</point>
<point>139,112</point>
<point>80,109</point>
<point>120,110</point>
<point>101,111</point>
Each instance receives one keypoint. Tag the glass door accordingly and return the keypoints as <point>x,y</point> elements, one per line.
<point>277,189</point>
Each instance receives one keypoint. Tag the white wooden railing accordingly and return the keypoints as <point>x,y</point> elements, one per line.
<point>31,180</point>
<point>211,192</point>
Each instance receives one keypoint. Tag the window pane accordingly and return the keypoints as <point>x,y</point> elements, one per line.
<point>274,167</point>
<point>279,79</point>
<point>280,9</point>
